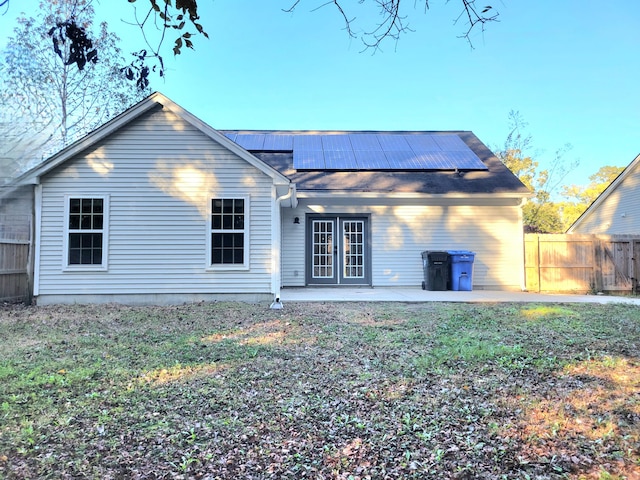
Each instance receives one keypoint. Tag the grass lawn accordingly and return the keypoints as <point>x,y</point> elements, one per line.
<point>321,391</point>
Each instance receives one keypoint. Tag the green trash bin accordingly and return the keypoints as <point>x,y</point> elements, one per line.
<point>436,270</point>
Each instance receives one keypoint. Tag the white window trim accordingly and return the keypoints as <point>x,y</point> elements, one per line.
<point>246,232</point>
<point>105,236</point>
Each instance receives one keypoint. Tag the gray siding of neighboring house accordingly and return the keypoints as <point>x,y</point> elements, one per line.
<point>16,233</point>
<point>16,200</point>
<point>401,231</point>
<point>618,212</point>
<point>16,212</point>
<point>160,174</point>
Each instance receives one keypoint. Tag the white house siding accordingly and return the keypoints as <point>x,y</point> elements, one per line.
<point>160,174</point>
<point>401,232</point>
<point>619,212</point>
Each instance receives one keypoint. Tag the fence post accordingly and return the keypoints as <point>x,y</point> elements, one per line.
<point>538,275</point>
<point>532,262</point>
<point>598,282</point>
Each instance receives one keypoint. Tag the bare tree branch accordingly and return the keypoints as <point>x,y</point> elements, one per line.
<point>393,23</point>
<point>474,18</point>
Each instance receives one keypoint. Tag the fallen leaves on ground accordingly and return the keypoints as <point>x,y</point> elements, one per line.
<point>320,391</point>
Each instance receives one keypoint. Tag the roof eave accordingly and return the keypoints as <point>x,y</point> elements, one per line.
<point>407,195</point>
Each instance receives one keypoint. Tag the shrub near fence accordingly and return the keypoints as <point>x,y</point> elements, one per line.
<point>15,245</point>
<point>582,263</point>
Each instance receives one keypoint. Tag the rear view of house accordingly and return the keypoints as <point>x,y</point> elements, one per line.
<point>158,207</point>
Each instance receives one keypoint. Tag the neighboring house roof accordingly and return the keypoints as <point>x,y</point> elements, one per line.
<point>451,163</point>
<point>632,168</point>
<point>153,101</point>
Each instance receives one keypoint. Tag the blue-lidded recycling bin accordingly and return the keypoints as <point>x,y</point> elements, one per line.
<point>461,269</point>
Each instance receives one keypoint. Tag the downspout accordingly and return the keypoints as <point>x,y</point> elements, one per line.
<point>37,240</point>
<point>277,252</point>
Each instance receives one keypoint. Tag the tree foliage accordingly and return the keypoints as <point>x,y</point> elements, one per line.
<point>579,197</point>
<point>52,96</point>
<point>599,181</point>
<point>540,214</point>
<point>154,20</point>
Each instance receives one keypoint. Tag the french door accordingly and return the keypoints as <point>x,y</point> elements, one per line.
<point>338,250</point>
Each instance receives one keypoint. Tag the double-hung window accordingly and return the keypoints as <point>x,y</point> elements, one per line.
<point>228,235</point>
<point>86,227</point>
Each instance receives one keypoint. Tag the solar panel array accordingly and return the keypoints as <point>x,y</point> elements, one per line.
<point>366,151</point>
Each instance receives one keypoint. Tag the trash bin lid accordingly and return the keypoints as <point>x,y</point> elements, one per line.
<point>461,255</point>
<point>438,256</point>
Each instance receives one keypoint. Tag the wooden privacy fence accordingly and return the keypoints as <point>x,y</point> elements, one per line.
<point>15,247</point>
<point>582,263</point>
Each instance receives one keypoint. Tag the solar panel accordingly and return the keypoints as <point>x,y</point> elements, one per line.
<point>308,160</point>
<point>394,143</point>
<point>278,142</point>
<point>308,153</point>
<point>365,141</point>
<point>250,141</point>
<point>451,143</point>
<point>307,142</point>
<point>434,161</point>
<point>336,143</point>
<point>467,161</point>
<point>340,160</point>
<point>366,151</point>
<point>404,160</point>
<point>371,160</point>
<point>422,143</point>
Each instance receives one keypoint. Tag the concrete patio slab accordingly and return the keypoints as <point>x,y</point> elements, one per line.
<point>339,294</point>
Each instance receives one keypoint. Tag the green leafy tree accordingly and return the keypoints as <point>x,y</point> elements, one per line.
<point>579,197</point>
<point>599,181</point>
<point>540,213</point>
<point>52,96</point>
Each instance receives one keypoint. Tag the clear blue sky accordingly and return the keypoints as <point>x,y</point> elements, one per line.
<point>570,67</point>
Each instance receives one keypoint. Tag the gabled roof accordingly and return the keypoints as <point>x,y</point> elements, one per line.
<point>466,166</point>
<point>613,186</point>
<point>451,163</point>
<point>154,101</point>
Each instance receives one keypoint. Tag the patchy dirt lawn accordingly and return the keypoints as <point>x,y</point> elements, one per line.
<point>320,391</point>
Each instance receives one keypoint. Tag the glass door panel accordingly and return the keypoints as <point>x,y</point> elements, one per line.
<point>353,250</point>
<point>322,244</point>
